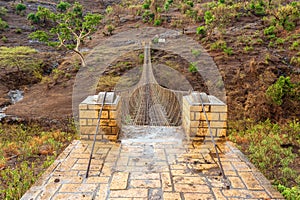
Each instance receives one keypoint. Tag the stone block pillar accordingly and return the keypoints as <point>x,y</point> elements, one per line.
<point>109,124</point>
<point>193,118</point>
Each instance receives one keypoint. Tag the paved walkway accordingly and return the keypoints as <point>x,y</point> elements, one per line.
<point>150,164</point>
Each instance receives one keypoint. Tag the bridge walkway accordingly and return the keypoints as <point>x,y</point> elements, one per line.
<point>151,165</point>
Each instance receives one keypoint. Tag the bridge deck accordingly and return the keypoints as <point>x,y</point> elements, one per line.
<point>149,165</point>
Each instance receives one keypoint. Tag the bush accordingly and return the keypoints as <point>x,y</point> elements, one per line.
<point>289,193</point>
<point>148,16</point>
<point>228,51</point>
<point>33,18</point>
<point>146,6</point>
<point>208,17</point>
<point>18,31</point>
<point>296,60</point>
<point>20,7</point>
<point>3,11</point>
<point>281,88</point>
<point>157,22</point>
<point>3,25</point>
<point>258,8</point>
<point>196,52</point>
<point>193,68</point>
<point>287,16</point>
<point>63,6</point>
<point>4,39</point>
<point>166,6</point>
<point>270,32</point>
<point>109,28</point>
<point>270,148</point>
<point>190,3</point>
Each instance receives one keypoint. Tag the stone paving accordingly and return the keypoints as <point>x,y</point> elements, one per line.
<point>153,167</point>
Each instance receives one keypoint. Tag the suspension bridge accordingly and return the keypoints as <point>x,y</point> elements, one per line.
<point>148,103</point>
<point>159,162</point>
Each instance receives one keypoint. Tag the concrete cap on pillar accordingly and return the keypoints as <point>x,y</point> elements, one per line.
<point>196,97</point>
<point>110,97</point>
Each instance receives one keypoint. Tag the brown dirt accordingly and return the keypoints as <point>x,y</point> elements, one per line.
<point>247,75</point>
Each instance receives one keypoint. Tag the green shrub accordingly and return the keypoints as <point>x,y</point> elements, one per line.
<point>3,25</point>
<point>281,88</point>
<point>279,41</point>
<point>196,52</point>
<point>166,6</point>
<point>18,180</point>
<point>258,8</point>
<point>33,18</point>
<point>18,31</point>
<point>63,6</point>
<point>155,40</point>
<point>108,10</point>
<point>109,29</point>
<point>189,3</point>
<point>193,68</point>
<point>20,7</point>
<point>141,58</point>
<point>221,45</point>
<point>148,16</point>
<point>287,16</point>
<point>201,30</point>
<point>3,11</point>
<point>27,143</point>
<point>270,32</point>
<point>296,60</point>
<point>248,48</point>
<point>295,45</point>
<point>269,148</point>
<point>289,193</point>
<point>146,6</point>
<point>192,14</point>
<point>208,17</point>
<point>228,51</point>
<point>4,39</point>
<point>157,22</point>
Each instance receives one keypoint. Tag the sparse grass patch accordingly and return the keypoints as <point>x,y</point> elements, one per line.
<point>25,152</point>
<point>295,45</point>
<point>193,68</point>
<point>221,45</point>
<point>248,48</point>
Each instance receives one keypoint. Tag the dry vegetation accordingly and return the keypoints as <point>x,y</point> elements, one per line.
<point>255,44</point>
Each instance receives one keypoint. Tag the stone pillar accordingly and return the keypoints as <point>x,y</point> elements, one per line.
<point>88,117</point>
<point>193,118</point>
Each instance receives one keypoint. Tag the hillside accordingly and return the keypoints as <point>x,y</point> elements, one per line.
<point>253,44</point>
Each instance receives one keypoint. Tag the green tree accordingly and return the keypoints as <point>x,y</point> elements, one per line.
<point>20,58</point>
<point>70,29</point>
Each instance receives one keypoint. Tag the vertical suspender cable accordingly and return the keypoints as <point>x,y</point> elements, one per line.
<point>215,146</point>
<point>95,136</point>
